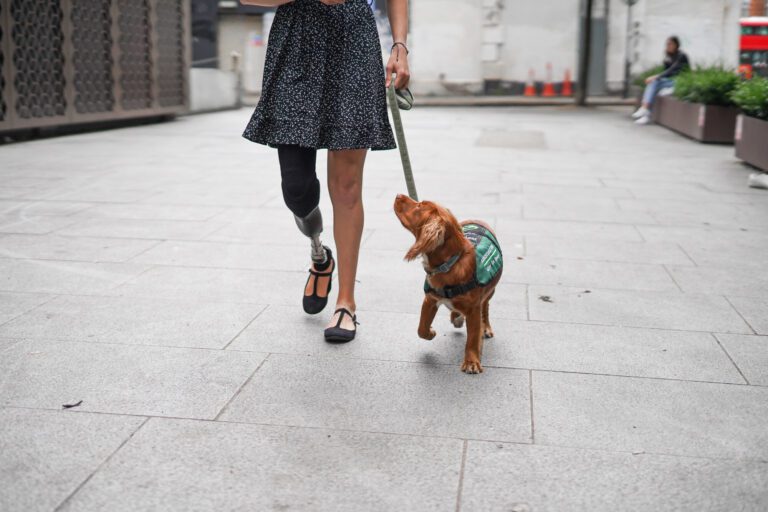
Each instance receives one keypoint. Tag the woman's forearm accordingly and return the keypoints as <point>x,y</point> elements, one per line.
<point>398,19</point>
<point>265,3</point>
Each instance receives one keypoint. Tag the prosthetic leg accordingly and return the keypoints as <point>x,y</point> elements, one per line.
<point>312,226</point>
<point>301,192</point>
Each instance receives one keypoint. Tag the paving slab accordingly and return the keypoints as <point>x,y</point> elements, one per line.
<point>379,396</point>
<point>15,304</point>
<point>46,455</point>
<point>564,229</point>
<point>150,211</point>
<point>66,248</point>
<point>754,310</point>
<point>609,350</point>
<point>651,415</point>
<point>508,477</point>
<point>632,308</point>
<point>735,280</point>
<point>217,285</point>
<point>33,224</point>
<point>222,255</point>
<point>134,321</point>
<point>23,209</point>
<point>50,276</point>
<point>140,380</point>
<point>659,253</point>
<point>142,228</point>
<point>594,209</point>
<point>589,274</point>
<point>550,190</point>
<point>196,466</point>
<point>750,353</point>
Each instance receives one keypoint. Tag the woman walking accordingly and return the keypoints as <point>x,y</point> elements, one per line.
<point>324,87</point>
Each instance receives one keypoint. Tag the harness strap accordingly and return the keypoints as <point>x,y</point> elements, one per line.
<point>445,266</point>
<point>450,292</point>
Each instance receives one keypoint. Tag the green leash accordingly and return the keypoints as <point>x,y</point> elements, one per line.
<point>397,100</point>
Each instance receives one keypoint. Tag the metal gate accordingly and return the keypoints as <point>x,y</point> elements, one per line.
<point>64,62</point>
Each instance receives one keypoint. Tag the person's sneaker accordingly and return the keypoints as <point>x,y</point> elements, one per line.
<point>644,120</point>
<point>641,112</point>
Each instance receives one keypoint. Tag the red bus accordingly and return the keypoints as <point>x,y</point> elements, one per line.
<point>753,49</point>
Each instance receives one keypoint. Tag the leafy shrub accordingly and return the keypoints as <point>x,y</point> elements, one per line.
<point>710,86</point>
<point>752,97</point>
<point>639,80</point>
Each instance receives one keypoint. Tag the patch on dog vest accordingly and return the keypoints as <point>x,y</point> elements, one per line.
<point>488,262</point>
<point>488,257</point>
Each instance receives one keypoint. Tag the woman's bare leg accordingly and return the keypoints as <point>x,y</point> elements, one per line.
<point>345,186</point>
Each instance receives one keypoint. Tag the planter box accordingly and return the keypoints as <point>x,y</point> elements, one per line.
<point>752,141</point>
<point>705,123</point>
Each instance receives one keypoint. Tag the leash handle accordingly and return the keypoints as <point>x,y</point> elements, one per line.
<point>401,144</point>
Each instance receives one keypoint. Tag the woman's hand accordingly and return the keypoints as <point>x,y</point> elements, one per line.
<point>651,79</point>
<point>332,2</point>
<point>398,64</point>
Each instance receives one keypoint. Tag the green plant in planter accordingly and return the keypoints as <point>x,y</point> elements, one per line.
<point>710,86</point>
<point>752,97</point>
<point>639,79</point>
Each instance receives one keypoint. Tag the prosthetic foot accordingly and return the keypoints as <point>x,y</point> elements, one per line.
<point>322,264</point>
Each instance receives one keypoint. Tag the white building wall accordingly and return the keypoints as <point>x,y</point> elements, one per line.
<point>246,36</point>
<point>537,33</point>
<point>447,38</point>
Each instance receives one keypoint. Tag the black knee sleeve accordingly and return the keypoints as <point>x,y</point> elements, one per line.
<point>301,188</point>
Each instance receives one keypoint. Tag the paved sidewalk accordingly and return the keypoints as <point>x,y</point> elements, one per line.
<point>154,274</point>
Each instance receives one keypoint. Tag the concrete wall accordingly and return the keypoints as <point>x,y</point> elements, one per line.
<point>212,89</point>
<point>464,43</point>
<point>537,33</point>
<point>244,35</point>
<point>446,39</point>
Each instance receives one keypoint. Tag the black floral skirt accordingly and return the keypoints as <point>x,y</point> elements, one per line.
<point>323,80</point>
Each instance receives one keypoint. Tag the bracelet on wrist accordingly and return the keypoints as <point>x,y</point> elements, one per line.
<point>398,43</point>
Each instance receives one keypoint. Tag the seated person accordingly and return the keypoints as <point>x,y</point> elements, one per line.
<point>675,62</point>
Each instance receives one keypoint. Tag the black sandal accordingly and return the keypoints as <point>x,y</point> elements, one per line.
<point>337,333</point>
<point>313,304</point>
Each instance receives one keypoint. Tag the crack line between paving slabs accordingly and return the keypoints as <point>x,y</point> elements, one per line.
<point>400,434</point>
<point>669,273</point>
<point>740,315</point>
<point>728,355</point>
<point>263,309</point>
<point>461,474</point>
<point>530,403</point>
<point>235,395</point>
<point>101,465</point>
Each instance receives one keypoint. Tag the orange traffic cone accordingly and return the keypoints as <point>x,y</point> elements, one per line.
<point>530,88</point>
<point>567,84</point>
<point>549,89</point>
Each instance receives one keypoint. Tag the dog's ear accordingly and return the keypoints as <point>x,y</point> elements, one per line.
<point>431,236</point>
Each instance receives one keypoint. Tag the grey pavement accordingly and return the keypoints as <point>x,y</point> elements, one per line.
<point>154,274</point>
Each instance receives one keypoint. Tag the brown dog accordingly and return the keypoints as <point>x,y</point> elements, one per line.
<point>463,264</point>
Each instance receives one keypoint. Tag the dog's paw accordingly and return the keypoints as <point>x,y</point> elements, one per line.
<point>429,335</point>
<point>471,367</point>
<point>487,332</point>
<point>457,321</point>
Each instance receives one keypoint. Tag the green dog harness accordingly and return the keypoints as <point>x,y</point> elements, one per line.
<point>488,262</point>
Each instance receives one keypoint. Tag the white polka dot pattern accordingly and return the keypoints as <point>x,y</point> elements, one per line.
<point>323,80</point>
